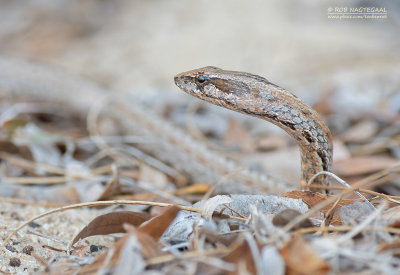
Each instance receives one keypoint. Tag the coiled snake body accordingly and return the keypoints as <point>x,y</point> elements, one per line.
<point>256,96</point>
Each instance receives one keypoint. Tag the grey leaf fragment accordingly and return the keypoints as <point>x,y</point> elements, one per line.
<point>182,227</point>
<point>265,203</point>
<point>272,262</point>
<point>131,261</point>
<point>354,213</point>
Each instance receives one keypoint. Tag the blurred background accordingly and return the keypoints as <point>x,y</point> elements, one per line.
<point>346,68</point>
<point>142,44</point>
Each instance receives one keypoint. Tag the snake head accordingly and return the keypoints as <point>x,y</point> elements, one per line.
<point>197,82</point>
<point>233,90</point>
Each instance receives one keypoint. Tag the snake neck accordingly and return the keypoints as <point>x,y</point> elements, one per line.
<point>306,126</point>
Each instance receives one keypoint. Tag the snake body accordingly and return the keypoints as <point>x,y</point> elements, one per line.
<point>256,96</point>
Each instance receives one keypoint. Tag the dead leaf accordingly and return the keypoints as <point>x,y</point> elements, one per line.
<point>7,147</point>
<point>111,223</point>
<point>324,103</point>
<point>198,188</point>
<point>340,150</point>
<point>149,174</point>
<point>208,207</point>
<point>361,132</point>
<point>132,172</point>
<point>10,126</point>
<point>362,165</point>
<point>112,188</point>
<point>156,226</point>
<point>241,253</point>
<point>215,238</point>
<point>312,199</point>
<point>236,135</point>
<point>112,259</point>
<point>271,142</point>
<point>285,216</point>
<point>395,245</point>
<point>79,250</point>
<point>147,235</point>
<point>392,216</point>
<point>150,247</point>
<point>301,259</point>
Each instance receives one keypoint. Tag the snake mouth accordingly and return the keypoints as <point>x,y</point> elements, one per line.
<point>185,82</point>
<point>177,80</point>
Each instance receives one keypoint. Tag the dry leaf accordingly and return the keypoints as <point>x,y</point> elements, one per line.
<point>285,216</point>
<point>147,235</point>
<point>282,162</point>
<point>131,259</point>
<point>111,223</point>
<point>238,136</point>
<point>362,165</point>
<point>361,132</point>
<point>156,226</point>
<point>312,199</point>
<point>241,253</point>
<point>217,239</point>
<point>80,250</point>
<point>198,188</point>
<point>391,216</point>
<point>324,102</point>
<point>271,261</point>
<point>208,207</point>
<point>149,174</point>
<point>301,259</point>
<point>131,172</point>
<point>8,147</point>
<point>112,188</point>
<point>150,247</point>
<point>340,150</point>
<point>112,259</point>
<point>395,245</point>
<point>271,142</point>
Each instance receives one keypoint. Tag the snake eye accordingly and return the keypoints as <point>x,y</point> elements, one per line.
<point>201,78</point>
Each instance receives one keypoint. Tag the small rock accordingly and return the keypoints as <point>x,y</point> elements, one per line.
<point>15,262</point>
<point>34,225</point>
<point>15,216</point>
<point>11,248</point>
<point>28,249</point>
<point>285,216</point>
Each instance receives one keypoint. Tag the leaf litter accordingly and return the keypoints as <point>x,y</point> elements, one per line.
<point>124,212</point>
<point>206,238</point>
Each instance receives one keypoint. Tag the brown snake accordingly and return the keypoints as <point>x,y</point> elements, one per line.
<point>256,96</point>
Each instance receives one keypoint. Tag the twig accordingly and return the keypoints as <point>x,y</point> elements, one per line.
<point>186,255</point>
<point>104,203</point>
<point>342,228</point>
<point>24,202</point>
<point>364,223</point>
<point>341,195</point>
<point>26,164</point>
<point>341,182</point>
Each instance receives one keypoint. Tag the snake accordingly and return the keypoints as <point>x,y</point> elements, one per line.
<point>256,96</point>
